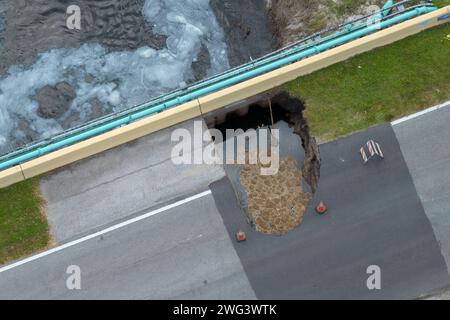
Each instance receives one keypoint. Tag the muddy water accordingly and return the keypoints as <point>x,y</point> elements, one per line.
<point>127,51</point>
<point>35,26</point>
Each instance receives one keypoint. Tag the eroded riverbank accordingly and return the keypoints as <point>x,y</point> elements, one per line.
<point>127,52</point>
<point>295,19</point>
<point>248,28</point>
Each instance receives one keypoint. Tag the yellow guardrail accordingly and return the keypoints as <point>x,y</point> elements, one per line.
<point>219,99</point>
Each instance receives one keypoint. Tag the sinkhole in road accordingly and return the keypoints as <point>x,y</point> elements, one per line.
<point>273,204</point>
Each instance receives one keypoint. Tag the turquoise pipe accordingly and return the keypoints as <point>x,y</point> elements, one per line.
<point>264,60</point>
<point>387,8</point>
<point>260,68</point>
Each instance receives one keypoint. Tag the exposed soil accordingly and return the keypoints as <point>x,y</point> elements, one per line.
<point>247,27</point>
<point>296,19</point>
<point>284,108</point>
<point>276,203</point>
<point>312,162</point>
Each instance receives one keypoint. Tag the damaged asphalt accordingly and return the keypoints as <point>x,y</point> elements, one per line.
<point>375,217</point>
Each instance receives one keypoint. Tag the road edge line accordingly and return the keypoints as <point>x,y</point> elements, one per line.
<point>420,113</point>
<point>104,231</point>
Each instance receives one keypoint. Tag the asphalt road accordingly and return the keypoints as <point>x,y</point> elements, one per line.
<point>375,218</point>
<point>182,253</point>
<point>424,142</point>
<point>85,196</point>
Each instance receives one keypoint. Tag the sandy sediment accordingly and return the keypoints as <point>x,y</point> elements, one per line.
<point>276,203</point>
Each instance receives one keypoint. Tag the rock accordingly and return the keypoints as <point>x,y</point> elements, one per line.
<point>89,78</point>
<point>54,101</point>
<point>30,134</point>
<point>97,109</point>
<point>70,120</point>
<point>276,209</point>
<point>202,64</point>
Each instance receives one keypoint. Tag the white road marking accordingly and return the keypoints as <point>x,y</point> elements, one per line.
<point>104,231</point>
<point>420,113</point>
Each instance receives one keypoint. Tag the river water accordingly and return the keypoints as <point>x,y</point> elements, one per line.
<point>127,51</point>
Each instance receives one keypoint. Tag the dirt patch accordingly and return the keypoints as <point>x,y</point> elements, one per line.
<point>312,162</point>
<point>296,19</point>
<point>284,108</point>
<point>276,204</point>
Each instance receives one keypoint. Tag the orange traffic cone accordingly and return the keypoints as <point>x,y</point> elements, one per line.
<point>321,208</point>
<point>240,236</point>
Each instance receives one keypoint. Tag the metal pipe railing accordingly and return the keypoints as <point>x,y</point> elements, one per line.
<point>292,53</point>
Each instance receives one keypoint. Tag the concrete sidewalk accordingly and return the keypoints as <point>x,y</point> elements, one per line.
<point>121,182</point>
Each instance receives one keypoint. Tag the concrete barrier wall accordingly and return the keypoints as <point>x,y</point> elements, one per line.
<point>98,144</point>
<point>11,176</point>
<point>278,77</point>
<point>217,100</point>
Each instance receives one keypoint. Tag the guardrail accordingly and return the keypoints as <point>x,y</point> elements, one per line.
<point>210,94</point>
<point>307,47</point>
